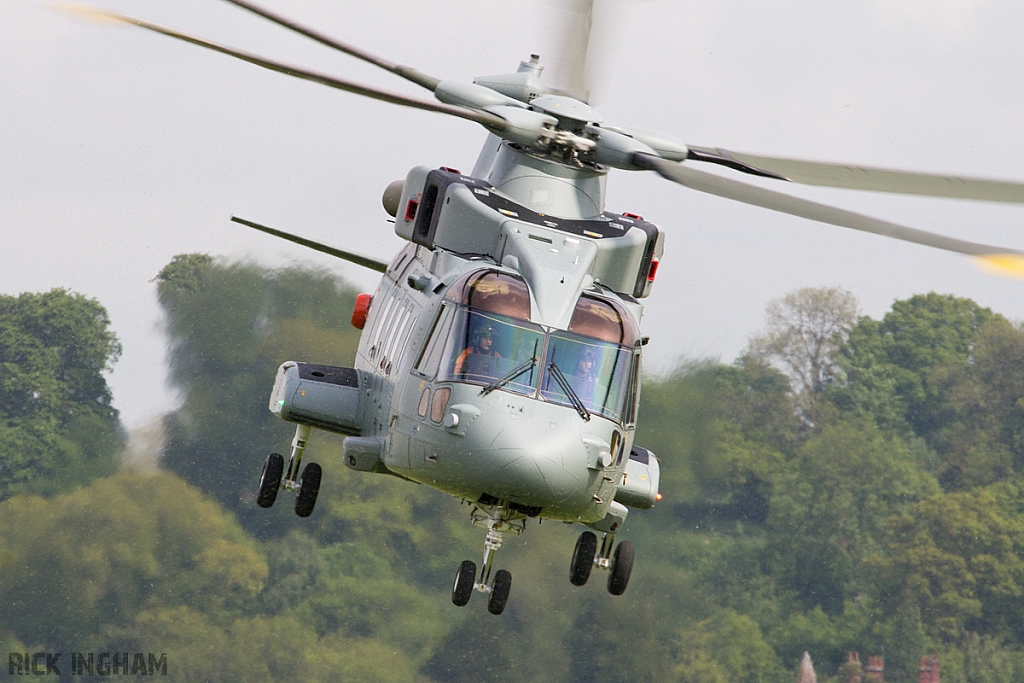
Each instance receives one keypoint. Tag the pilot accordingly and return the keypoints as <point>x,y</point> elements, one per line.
<point>479,358</point>
<point>584,380</point>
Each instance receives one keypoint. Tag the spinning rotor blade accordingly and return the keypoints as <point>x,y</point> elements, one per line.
<point>364,261</point>
<point>570,66</point>
<point>864,177</point>
<point>1007,261</point>
<point>407,72</point>
<point>481,117</point>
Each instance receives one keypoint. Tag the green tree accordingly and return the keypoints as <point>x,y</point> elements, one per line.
<point>725,430</point>
<point>830,505</point>
<point>984,441</point>
<point>960,558</point>
<point>230,326</point>
<point>986,660</point>
<point>896,368</point>
<point>907,644</point>
<point>728,648</point>
<point>98,555</point>
<point>58,427</point>
<point>805,330</point>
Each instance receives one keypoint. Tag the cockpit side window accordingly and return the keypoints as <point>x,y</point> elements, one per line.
<point>431,356</point>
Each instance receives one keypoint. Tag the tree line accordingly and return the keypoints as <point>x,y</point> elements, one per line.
<point>846,484</point>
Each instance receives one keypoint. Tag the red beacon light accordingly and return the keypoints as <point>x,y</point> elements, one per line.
<point>360,310</point>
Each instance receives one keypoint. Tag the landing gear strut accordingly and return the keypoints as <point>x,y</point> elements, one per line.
<point>308,485</point>
<point>586,556</point>
<point>498,521</point>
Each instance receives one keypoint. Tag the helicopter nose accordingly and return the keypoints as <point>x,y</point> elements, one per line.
<point>533,466</point>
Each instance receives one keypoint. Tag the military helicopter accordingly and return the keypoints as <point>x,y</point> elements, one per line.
<point>499,359</point>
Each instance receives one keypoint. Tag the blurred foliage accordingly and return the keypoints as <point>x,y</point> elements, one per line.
<point>885,515</point>
<point>58,428</point>
<point>831,503</point>
<point>230,326</point>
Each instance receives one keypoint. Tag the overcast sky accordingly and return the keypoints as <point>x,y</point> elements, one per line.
<point>120,148</point>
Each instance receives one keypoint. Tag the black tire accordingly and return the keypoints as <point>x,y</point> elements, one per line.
<point>583,558</point>
<point>462,591</point>
<point>499,591</point>
<point>270,480</point>
<point>622,567</point>
<point>309,486</point>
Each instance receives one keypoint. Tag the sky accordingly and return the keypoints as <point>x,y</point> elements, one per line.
<point>120,148</point>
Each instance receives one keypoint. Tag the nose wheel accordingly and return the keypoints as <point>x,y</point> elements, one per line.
<point>498,522</point>
<point>586,556</point>
<point>275,478</point>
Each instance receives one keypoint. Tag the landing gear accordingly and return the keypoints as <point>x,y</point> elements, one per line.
<point>462,591</point>
<point>586,556</point>
<point>270,480</point>
<point>583,558</point>
<point>622,567</point>
<point>499,591</point>
<point>498,521</point>
<point>308,486</point>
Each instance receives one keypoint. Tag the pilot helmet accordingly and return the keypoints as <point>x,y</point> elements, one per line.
<point>485,331</point>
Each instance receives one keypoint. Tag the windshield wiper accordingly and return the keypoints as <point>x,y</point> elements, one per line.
<point>515,372</point>
<point>567,388</point>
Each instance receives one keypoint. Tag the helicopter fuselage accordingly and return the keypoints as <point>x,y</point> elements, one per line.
<point>541,423</point>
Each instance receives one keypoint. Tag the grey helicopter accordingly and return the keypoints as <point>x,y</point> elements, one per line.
<point>500,357</point>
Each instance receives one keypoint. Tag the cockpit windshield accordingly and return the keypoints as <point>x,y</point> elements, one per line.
<point>597,373</point>
<point>483,336</point>
<point>484,347</point>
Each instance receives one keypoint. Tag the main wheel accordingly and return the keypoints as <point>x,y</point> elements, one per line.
<point>583,558</point>
<point>309,486</point>
<point>499,591</point>
<point>462,591</point>
<point>622,567</point>
<point>270,480</point>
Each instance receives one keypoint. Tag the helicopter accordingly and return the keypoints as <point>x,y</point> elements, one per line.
<point>469,376</point>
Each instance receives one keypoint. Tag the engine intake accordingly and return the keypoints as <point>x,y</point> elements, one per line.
<point>322,396</point>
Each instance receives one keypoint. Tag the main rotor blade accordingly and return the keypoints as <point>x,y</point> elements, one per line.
<point>852,177</point>
<point>481,117</point>
<point>1008,259</point>
<point>364,261</point>
<point>571,64</point>
<point>418,77</point>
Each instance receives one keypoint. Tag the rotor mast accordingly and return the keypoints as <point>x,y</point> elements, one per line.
<point>557,183</point>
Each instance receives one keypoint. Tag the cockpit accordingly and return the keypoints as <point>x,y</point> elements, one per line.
<point>483,335</point>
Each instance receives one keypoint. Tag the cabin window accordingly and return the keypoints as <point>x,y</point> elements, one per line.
<point>439,403</point>
<point>421,409</point>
